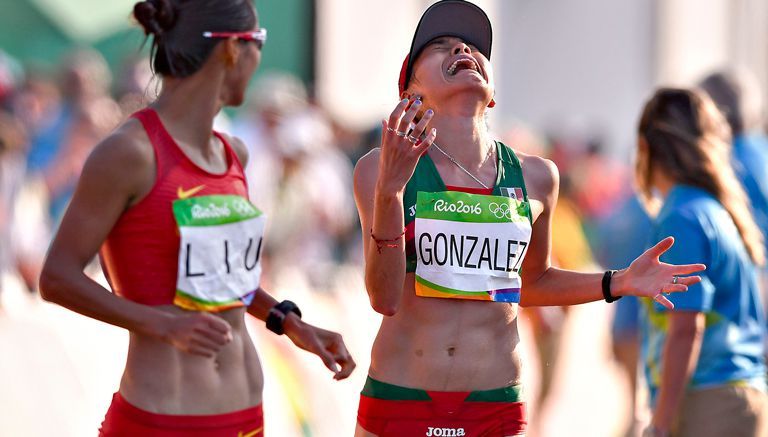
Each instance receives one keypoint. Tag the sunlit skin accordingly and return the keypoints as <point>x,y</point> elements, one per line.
<point>462,345</point>
<point>179,362</point>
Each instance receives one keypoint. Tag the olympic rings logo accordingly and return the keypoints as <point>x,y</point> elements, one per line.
<point>243,207</point>
<point>500,210</point>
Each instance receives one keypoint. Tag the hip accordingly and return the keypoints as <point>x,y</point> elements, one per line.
<point>125,419</point>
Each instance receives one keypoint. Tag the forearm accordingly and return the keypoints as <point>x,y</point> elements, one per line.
<point>262,303</point>
<point>679,359</point>
<point>385,260</point>
<point>557,287</point>
<point>81,294</point>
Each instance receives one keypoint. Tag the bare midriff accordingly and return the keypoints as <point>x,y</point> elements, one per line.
<point>447,344</point>
<point>162,379</point>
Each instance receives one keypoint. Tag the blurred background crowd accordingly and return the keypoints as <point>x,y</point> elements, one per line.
<point>571,79</point>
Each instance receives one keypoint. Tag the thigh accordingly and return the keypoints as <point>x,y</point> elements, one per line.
<point>361,432</point>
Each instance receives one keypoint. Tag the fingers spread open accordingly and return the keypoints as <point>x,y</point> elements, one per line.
<point>422,124</point>
<point>674,288</point>
<point>422,147</point>
<point>664,301</point>
<point>688,280</point>
<point>397,113</point>
<point>687,269</point>
<point>410,114</point>
<point>661,247</point>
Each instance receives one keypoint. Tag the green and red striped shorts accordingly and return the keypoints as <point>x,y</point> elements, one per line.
<point>391,410</point>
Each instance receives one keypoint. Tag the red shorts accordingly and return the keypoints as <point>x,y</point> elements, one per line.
<point>392,411</point>
<point>125,420</point>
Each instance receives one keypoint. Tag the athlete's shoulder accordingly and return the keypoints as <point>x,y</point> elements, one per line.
<point>368,164</point>
<point>238,145</point>
<point>126,147</point>
<point>372,157</point>
<point>539,173</point>
<point>124,159</point>
<point>366,174</point>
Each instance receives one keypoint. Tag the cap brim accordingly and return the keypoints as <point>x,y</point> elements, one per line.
<point>457,18</point>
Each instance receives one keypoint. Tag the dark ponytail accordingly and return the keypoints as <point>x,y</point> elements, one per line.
<point>178,46</point>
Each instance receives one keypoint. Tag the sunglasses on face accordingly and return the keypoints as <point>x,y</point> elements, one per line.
<point>258,36</point>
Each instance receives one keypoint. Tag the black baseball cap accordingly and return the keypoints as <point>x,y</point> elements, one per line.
<point>457,18</point>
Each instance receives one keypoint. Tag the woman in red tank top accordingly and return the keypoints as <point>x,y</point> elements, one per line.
<point>164,202</point>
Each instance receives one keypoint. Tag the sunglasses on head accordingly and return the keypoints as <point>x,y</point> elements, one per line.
<point>258,36</point>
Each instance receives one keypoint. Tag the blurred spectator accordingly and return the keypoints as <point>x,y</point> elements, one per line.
<point>132,87</point>
<point>274,98</point>
<point>86,114</point>
<point>13,143</point>
<point>295,163</point>
<point>10,74</point>
<point>738,96</point>
<point>704,359</point>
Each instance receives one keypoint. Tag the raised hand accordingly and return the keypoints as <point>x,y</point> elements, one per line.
<point>401,148</point>
<point>197,333</point>
<point>647,276</point>
<point>327,345</point>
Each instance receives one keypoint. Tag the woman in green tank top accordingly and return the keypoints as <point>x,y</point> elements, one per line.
<point>454,224</point>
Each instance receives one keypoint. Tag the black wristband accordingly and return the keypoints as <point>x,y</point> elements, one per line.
<point>278,313</point>
<point>607,286</point>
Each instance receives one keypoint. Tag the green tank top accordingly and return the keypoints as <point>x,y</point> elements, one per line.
<point>509,183</point>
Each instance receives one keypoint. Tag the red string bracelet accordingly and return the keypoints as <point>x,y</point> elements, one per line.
<point>382,243</point>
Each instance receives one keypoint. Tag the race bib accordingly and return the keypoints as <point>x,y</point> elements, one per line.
<point>220,252</point>
<point>470,246</point>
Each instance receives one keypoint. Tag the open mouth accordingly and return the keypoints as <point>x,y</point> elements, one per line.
<point>463,63</point>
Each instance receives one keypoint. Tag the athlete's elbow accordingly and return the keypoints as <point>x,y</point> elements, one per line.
<point>386,309</point>
<point>51,283</point>
<point>382,303</point>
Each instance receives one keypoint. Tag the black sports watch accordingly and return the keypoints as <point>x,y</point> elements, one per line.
<point>278,313</point>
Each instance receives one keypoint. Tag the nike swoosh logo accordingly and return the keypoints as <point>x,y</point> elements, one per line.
<point>185,194</point>
<point>250,434</point>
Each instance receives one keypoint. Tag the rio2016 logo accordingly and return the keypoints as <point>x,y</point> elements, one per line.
<point>459,207</point>
<point>500,210</point>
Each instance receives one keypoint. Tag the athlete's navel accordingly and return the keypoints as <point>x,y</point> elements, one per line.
<point>419,353</point>
<point>451,351</point>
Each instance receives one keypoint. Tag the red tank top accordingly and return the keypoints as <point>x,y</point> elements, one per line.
<point>140,254</point>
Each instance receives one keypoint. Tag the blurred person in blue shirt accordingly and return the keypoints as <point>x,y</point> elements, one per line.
<point>704,360</point>
<point>738,96</point>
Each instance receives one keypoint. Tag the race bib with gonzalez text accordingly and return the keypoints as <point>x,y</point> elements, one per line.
<point>470,246</point>
<point>220,252</point>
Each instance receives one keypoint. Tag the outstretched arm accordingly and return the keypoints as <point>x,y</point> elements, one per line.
<point>545,285</point>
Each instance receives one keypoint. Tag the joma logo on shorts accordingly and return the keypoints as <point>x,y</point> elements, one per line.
<point>445,432</point>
